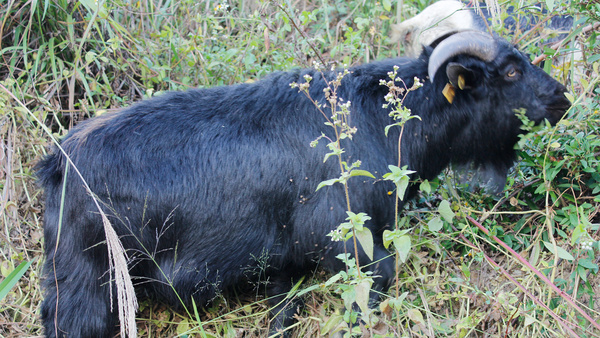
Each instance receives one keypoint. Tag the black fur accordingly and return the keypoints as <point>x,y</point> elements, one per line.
<point>205,182</point>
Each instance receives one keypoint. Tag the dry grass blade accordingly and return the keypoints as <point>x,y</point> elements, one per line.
<point>126,298</point>
<point>566,325</point>
<point>566,297</point>
<point>127,301</point>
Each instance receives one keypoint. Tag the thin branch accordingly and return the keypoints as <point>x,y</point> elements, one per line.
<point>557,45</point>
<point>317,54</point>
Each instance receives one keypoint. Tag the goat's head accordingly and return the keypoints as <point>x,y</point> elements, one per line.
<point>488,81</point>
<point>499,74</point>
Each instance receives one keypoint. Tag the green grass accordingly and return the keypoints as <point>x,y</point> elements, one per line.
<point>62,62</point>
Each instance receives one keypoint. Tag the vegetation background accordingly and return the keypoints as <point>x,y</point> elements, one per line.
<point>63,61</point>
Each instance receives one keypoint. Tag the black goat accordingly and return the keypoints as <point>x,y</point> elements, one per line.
<point>198,184</point>
<point>444,18</point>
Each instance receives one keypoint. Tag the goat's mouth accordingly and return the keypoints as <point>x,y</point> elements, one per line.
<point>557,109</point>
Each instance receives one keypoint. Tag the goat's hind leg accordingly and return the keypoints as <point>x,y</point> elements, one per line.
<point>77,300</point>
<point>76,303</point>
<point>283,309</point>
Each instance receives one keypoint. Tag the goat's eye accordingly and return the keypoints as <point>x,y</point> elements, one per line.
<point>511,72</point>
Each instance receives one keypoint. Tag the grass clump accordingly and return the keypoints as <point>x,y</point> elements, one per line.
<point>62,62</point>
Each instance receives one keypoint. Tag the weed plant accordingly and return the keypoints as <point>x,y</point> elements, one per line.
<point>65,61</point>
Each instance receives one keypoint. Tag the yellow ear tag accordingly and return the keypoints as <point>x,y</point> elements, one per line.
<point>449,92</point>
<point>461,82</point>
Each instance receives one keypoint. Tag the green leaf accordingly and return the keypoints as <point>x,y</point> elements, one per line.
<point>327,183</point>
<point>183,327</point>
<point>570,97</point>
<point>593,59</point>
<point>249,60</point>
<point>389,236</point>
<point>332,323</point>
<point>578,232</point>
<point>402,245</point>
<point>402,185</point>
<point>361,23</point>
<point>445,210</point>
<point>435,224</point>
<point>365,238</point>
<point>387,5</point>
<point>333,279</point>
<point>387,128</point>
<point>400,178</point>
<point>11,280</point>
<point>396,173</point>
<point>357,172</point>
<point>582,272</point>
<point>90,57</point>
<point>357,220</point>
<point>562,253</point>
<point>416,316</point>
<point>396,303</point>
<point>362,291</point>
<point>425,187</point>
<point>588,264</point>
<point>327,156</point>
<point>535,254</point>
<point>349,297</point>
<point>308,289</point>
<point>92,6</point>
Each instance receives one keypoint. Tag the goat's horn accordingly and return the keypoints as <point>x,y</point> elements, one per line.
<point>475,43</point>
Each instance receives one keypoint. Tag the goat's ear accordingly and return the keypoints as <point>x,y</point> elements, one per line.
<point>460,76</point>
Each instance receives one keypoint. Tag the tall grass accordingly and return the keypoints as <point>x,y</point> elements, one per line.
<point>66,61</point>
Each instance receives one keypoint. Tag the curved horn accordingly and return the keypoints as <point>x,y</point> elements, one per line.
<point>475,43</point>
